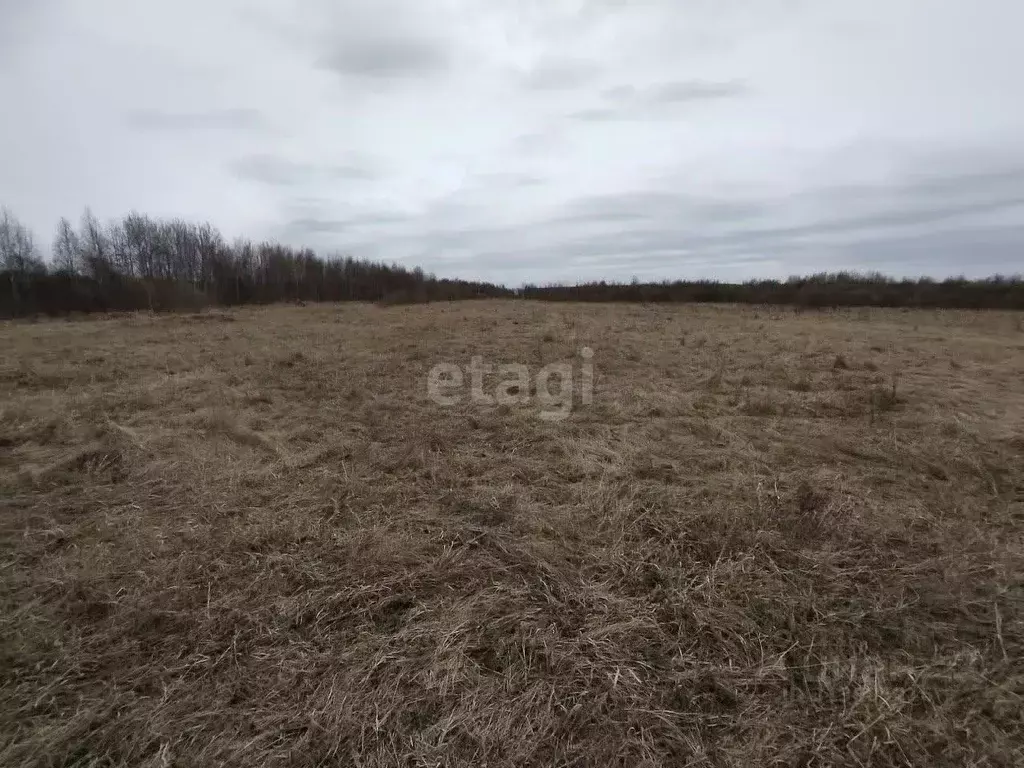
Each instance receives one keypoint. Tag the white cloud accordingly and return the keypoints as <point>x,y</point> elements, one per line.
<point>534,140</point>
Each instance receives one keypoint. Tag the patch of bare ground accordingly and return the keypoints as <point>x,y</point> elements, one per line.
<point>250,538</point>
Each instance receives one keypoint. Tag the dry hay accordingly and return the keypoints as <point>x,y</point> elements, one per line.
<point>773,539</point>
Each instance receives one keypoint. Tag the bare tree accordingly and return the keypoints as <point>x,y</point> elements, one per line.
<point>137,262</point>
<point>19,258</point>
<point>209,242</point>
<point>96,248</point>
<point>18,252</point>
<point>140,236</point>
<point>67,248</point>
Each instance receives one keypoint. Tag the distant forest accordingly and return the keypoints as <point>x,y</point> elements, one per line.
<point>841,289</point>
<point>142,263</point>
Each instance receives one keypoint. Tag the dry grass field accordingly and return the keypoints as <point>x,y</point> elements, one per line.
<point>250,538</point>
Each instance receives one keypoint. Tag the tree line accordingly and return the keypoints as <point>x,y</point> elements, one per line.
<point>840,289</point>
<point>138,262</point>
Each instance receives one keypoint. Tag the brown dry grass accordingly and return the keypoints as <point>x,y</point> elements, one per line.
<point>249,538</point>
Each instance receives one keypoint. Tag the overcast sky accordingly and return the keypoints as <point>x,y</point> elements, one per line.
<point>539,140</point>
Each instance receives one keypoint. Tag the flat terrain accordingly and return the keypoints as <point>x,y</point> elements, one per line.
<point>252,538</point>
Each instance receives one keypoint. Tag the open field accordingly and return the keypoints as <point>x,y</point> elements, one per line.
<point>251,538</point>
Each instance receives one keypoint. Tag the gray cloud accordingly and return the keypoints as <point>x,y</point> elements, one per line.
<point>711,226</point>
<point>678,92</point>
<point>386,57</point>
<point>993,250</point>
<point>17,20</point>
<point>1007,180</point>
<point>310,227</point>
<point>280,171</point>
<point>599,114</point>
<point>230,119</point>
<point>560,73</point>
<point>661,205</point>
<point>536,141</point>
<point>509,179</point>
<point>668,255</point>
<point>365,43</point>
<point>933,220</point>
<point>631,102</point>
